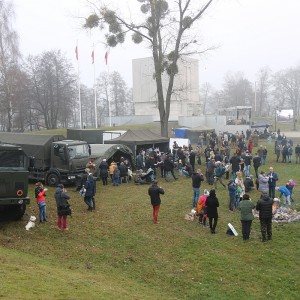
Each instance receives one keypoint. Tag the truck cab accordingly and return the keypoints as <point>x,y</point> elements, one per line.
<point>13,181</point>
<point>68,160</point>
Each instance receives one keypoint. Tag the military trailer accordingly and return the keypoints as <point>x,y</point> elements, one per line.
<point>52,159</point>
<point>13,181</point>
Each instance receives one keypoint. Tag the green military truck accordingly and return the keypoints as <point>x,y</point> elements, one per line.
<point>52,159</point>
<point>13,181</point>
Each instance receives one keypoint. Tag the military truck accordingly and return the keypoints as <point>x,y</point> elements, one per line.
<point>52,159</point>
<point>13,181</point>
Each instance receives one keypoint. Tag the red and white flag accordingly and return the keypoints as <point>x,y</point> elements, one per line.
<point>76,52</point>
<point>93,56</point>
<point>106,57</point>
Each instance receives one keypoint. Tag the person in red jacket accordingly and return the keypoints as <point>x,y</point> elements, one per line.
<point>40,194</point>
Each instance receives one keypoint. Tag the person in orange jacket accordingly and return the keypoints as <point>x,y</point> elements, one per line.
<point>201,208</point>
<point>111,169</point>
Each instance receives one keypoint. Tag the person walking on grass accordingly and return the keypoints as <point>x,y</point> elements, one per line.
<point>90,187</point>
<point>245,207</point>
<point>154,192</point>
<point>197,177</point>
<point>212,204</point>
<point>264,206</point>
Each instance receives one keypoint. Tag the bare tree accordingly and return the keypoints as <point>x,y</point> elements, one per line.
<point>165,29</point>
<point>287,90</point>
<point>262,87</point>
<point>52,88</point>
<point>9,55</point>
<point>237,90</point>
<point>115,98</point>
<point>206,96</point>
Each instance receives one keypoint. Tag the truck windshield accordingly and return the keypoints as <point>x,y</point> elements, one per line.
<point>12,159</point>
<point>78,151</point>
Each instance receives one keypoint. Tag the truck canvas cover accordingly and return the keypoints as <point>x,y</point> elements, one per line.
<point>36,145</point>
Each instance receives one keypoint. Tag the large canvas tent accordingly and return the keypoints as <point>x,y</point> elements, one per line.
<point>111,152</point>
<point>141,138</point>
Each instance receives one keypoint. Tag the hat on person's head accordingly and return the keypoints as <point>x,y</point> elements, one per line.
<point>104,159</point>
<point>61,186</point>
<point>212,192</point>
<point>206,192</point>
<point>230,181</point>
<point>277,188</point>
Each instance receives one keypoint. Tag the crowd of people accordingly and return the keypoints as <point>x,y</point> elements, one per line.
<point>227,160</point>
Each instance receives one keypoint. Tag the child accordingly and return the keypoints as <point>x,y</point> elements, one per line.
<point>201,208</point>
<point>179,166</point>
<point>290,186</point>
<point>40,194</point>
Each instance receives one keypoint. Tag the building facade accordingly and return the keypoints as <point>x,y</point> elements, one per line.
<point>185,98</point>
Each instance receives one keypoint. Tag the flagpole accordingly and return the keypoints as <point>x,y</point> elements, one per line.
<point>95,92</point>
<point>78,79</point>
<point>108,99</point>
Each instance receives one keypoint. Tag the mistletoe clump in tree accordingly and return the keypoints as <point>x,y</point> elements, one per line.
<point>168,31</point>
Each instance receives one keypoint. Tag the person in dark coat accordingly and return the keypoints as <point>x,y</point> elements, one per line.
<point>246,206</point>
<point>249,184</point>
<point>123,173</point>
<point>197,177</point>
<point>104,167</point>
<point>169,168</point>
<point>264,206</point>
<point>212,204</point>
<point>154,192</point>
<point>256,163</point>
<point>61,198</point>
<point>235,163</point>
<point>273,177</point>
<point>90,187</point>
<point>192,158</point>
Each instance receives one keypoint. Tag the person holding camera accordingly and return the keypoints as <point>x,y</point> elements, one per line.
<point>63,207</point>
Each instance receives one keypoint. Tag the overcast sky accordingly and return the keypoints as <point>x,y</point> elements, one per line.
<point>250,34</point>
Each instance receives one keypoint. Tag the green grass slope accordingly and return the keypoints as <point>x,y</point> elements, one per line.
<point>116,252</point>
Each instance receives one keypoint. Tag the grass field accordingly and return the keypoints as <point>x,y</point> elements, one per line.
<point>116,252</point>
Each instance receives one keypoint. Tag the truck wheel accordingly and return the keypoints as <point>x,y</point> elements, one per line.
<point>17,211</point>
<point>53,179</point>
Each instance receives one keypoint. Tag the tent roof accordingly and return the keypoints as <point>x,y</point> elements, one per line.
<point>139,137</point>
<point>260,124</point>
<point>106,150</point>
<point>201,128</point>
